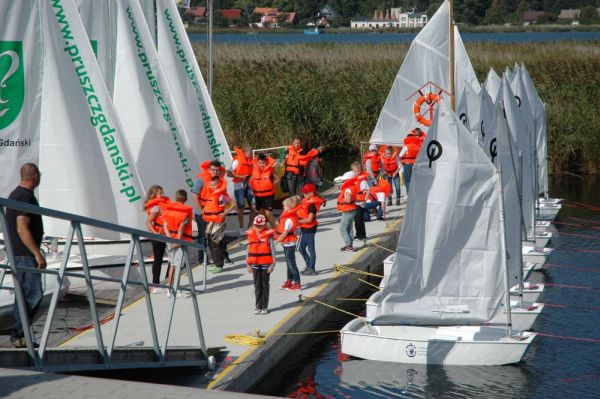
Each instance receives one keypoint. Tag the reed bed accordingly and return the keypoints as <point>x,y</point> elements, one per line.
<point>332,93</point>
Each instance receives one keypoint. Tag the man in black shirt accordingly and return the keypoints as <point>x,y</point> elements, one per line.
<point>25,231</point>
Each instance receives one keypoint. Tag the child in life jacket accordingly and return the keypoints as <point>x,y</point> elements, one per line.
<point>177,224</point>
<point>218,204</point>
<point>286,236</point>
<point>260,261</point>
<point>154,206</point>
<point>307,221</point>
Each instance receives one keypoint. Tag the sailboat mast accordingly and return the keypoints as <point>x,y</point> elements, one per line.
<point>504,253</point>
<point>452,63</point>
<point>210,46</point>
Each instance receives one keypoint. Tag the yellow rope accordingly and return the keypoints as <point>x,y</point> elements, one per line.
<point>347,269</point>
<point>245,340</point>
<point>366,282</point>
<point>336,308</point>
<point>382,247</point>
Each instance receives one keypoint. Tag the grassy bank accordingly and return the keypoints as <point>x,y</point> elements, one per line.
<point>333,93</point>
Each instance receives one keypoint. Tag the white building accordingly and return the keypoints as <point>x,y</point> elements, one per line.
<point>393,18</point>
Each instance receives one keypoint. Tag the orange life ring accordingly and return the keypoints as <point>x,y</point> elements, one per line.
<point>431,99</point>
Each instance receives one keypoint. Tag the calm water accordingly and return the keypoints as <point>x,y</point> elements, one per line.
<point>552,368</point>
<point>357,38</point>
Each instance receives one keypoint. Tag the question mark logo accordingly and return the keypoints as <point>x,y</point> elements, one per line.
<point>434,151</point>
<point>493,149</point>
<point>518,101</point>
<point>12,86</point>
<point>482,130</point>
<point>463,118</point>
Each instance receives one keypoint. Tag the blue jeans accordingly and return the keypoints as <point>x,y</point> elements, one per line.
<point>370,205</point>
<point>243,194</point>
<point>406,173</point>
<point>347,227</point>
<point>395,182</point>
<point>201,239</point>
<point>31,284</point>
<point>292,268</point>
<point>307,249</point>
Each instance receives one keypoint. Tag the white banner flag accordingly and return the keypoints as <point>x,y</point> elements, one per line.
<point>20,89</point>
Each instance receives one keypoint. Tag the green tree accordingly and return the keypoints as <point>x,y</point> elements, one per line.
<point>589,15</point>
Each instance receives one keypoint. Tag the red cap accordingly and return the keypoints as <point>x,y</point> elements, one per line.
<point>309,188</point>
<point>260,220</point>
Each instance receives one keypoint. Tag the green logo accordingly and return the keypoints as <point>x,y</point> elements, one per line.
<point>12,82</point>
<point>94,44</point>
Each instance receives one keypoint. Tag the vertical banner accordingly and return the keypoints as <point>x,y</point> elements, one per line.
<point>154,131</point>
<point>189,90</point>
<point>86,163</point>
<point>20,88</point>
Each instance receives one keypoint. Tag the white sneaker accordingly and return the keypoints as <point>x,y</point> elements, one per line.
<point>183,294</point>
<point>168,293</point>
<point>157,290</point>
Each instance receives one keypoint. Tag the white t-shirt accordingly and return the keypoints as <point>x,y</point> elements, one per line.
<point>288,227</point>
<point>236,185</point>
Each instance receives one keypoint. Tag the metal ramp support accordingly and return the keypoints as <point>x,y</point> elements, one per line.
<point>106,355</point>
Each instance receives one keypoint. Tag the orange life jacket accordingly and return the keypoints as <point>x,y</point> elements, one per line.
<point>244,165</point>
<point>385,186</point>
<point>413,145</point>
<point>259,247</point>
<point>390,165</point>
<point>303,211</point>
<point>373,191</point>
<point>360,194</point>
<point>303,159</point>
<point>175,213</point>
<point>292,161</point>
<point>206,178</point>
<point>260,181</point>
<point>158,221</point>
<point>375,158</point>
<point>213,210</point>
<point>342,206</point>
<point>293,215</point>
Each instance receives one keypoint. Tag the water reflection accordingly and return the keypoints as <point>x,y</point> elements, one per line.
<point>379,379</point>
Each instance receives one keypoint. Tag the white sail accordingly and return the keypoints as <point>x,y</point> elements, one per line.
<point>191,96</point>
<point>486,124</point>
<point>504,156</point>
<point>468,109</point>
<point>492,84</point>
<point>422,80</point>
<point>98,19</point>
<point>20,89</point>
<point>539,113</point>
<point>452,272</point>
<point>156,135</point>
<point>86,163</point>
<point>463,68</point>
<point>521,135</point>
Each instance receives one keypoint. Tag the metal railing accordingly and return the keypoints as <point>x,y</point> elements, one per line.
<point>37,356</point>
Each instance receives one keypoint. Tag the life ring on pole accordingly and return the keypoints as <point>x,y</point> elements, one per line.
<point>430,99</point>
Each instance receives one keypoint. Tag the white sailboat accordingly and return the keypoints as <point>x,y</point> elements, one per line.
<point>450,278</point>
<point>492,84</point>
<point>423,80</point>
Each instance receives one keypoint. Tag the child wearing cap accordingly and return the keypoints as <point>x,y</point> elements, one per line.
<point>286,236</point>
<point>260,261</point>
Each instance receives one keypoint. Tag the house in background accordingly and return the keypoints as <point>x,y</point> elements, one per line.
<point>570,15</point>
<point>531,17</point>
<point>231,15</point>
<point>272,17</point>
<point>197,15</point>
<point>391,18</point>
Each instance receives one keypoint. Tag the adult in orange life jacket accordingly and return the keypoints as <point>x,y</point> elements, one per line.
<point>260,261</point>
<point>391,168</point>
<point>216,207</point>
<point>285,234</point>
<point>240,171</point>
<point>408,155</point>
<point>177,224</point>
<point>295,163</point>
<point>372,163</point>
<point>209,169</point>
<point>262,182</point>
<point>154,206</point>
<point>307,214</point>
<point>362,189</point>
<point>346,204</point>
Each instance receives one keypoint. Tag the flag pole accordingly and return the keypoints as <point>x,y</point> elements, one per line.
<point>452,63</point>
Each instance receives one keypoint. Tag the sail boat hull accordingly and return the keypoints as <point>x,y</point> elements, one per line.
<point>548,211</point>
<point>475,346</point>
<point>536,255</point>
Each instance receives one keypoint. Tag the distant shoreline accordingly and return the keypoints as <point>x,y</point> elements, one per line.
<point>196,29</point>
